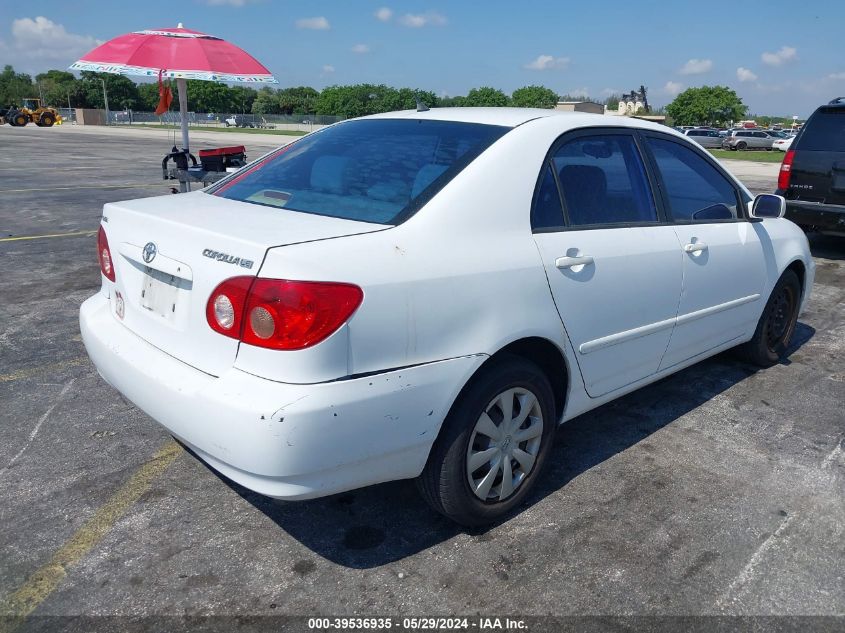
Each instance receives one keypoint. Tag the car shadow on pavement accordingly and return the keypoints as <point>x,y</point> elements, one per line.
<point>382,524</point>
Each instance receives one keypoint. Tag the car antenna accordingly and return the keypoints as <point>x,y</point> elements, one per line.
<point>421,107</point>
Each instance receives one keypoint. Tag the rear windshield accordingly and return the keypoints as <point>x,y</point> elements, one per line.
<point>377,170</point>
<point>824,132</point>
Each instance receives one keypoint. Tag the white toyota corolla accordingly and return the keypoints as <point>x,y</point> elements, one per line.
<point>429,294</point>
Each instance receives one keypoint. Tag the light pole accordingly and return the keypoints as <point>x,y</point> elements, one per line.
<point>105,99</point>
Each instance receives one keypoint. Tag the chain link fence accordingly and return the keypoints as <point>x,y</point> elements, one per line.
<point>282,122</point>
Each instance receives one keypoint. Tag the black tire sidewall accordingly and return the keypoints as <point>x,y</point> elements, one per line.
<point>758,347</point>
<point>461,504</point>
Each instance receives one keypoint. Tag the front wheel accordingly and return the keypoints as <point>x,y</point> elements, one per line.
<point>777,323</point>
<point>493,444</point>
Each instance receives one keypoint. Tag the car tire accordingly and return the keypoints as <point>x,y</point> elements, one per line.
<point>742,145</point>
<point>477,497</point>
<point>777,323</point>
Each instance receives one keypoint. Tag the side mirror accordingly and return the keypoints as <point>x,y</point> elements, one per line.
<point>768,205</point>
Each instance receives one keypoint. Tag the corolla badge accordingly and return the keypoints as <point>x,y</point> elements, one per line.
<point>227,259</point>
<point>149,252</point>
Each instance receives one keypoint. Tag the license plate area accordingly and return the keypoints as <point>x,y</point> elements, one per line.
<point>164,294</point>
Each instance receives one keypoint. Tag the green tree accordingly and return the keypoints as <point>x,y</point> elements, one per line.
<point>534,97</point>
<point>266,102</point>
<point>57,87</point>
<point>612,102</point>
<point>148,97</point>
<point>209,96</point>
<point>122,91</point>
<point>14,87</point>
<point>706,105</point>
<point>357,100</point>
<point>243,97</point>
<point>298,100</point>
<point>452,102</point>
<point>486,97</point>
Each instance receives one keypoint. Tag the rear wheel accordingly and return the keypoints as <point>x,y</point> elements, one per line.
<point>493,444</point>
<point>777,323</point>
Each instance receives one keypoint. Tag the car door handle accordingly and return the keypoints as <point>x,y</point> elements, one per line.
<point>697,247</point>
<point>570,262</point>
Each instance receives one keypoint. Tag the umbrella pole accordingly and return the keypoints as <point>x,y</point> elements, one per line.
<point>182,87</point>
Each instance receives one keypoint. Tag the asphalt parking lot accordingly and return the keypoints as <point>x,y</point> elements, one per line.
<point>719,491</point>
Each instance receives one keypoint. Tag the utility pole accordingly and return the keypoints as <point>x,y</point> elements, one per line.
<point>105,99</point>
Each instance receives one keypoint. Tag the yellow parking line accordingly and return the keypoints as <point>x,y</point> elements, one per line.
<point>44,581</point>
<point>43,369</point>
<point>127,186</point>
<point>41,237</point>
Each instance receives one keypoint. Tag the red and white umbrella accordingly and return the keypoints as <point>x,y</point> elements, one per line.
<point>179,54</point>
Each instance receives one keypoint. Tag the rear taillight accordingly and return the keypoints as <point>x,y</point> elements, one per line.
<point>785,172</point>
<point>104,255</point>
<point>281,314</point>
<point>225,308</point>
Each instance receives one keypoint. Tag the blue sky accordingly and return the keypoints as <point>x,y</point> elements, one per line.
<point>782,58</point>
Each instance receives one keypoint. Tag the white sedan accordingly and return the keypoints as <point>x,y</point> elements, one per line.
<point>429,294</point>
<point>782,144</point>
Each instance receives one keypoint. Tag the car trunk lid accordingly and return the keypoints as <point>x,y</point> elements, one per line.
<point>171,252</point>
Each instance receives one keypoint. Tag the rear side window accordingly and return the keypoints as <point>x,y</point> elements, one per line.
<point>378,170</point>
<point>603,181</point>
<point>547,212</point>
<point>824,132</point>
<point>696,191</point>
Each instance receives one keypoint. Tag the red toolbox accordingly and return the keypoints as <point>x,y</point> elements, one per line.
<point>219,158</point>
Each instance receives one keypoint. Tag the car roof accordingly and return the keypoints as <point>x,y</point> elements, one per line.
<point>513,117</point>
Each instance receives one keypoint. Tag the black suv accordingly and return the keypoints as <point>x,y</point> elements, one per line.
<point>812,176</point>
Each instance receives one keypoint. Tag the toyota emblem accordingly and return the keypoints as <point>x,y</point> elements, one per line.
<point>149,252</point>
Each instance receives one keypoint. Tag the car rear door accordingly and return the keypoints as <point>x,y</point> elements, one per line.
<point>723,264</point>
<point>613,263</point>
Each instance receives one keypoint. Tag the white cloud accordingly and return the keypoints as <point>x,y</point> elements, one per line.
<point>419,20</point>
<point>318,23</point>
<point>384,14</point>
<point>360,49</point>
<point>836,76</point>
<point>743,74</point>
<point>42,39</point>
<point>784,55</point>
<point>578,92</point>
<point>696,67</point>
<point>548,62</point>
<point>673,88</point>
<point>609,92</point>
<point>328,69</point>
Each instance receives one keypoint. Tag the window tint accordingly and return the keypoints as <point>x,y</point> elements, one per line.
<point>603,181</point>
<point>824,132</point>
<point>547,211</point>
<point>697,192</point>
<point>370,170</point>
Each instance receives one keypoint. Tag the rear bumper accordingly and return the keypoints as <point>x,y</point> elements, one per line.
<point>822,217</point>
<point>282,440</point>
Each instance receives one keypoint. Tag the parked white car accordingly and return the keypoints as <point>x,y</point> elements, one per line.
<point>782,144</point>
<point>429,294</point>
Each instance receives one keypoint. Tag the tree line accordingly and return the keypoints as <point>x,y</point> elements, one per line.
<point>60,88</point>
